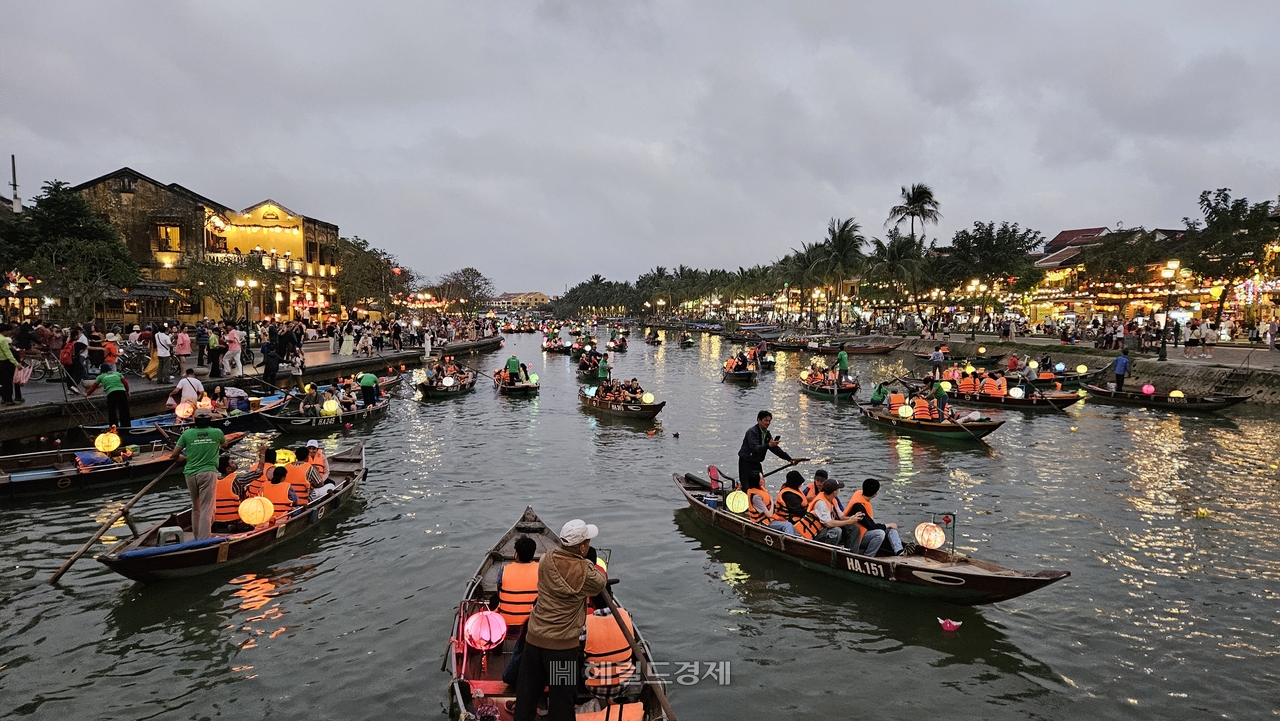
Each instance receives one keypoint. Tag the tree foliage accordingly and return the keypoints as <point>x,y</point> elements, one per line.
<point>992,253</point>
<point>216,279</point>
<point>1233,239</point>
<point>467,284</point>
<point>368,275</point>
<point>1119,257</point>
<point>918,205</point>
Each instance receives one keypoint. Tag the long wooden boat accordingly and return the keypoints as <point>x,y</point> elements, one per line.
<point>768,362</point>
<point>476,688</point>
<point>306,424</point>
<point>76,469</point>
<point>653,341</point>
<point>920,572</point>
<point>933,429</point>
<point>1164,400</point>
<point>747,376</point>
<point>1033,398</point>
<point>143,430</point>
<point>518,389</point>
<point>687,343</point>
<point>1068,380</point>
<point>977,361</point>
<point>620,409</point>
<point>555,349</point>
<point>864,349</point>
<point>442,388</point>
<point>829,391</point>
<point>468,347</point>
<point>143,560</point>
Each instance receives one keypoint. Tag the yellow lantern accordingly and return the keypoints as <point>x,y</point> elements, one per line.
<point>1177,394</point>
<point>284,456</point>
<point>1016,392</point>
<point>1082,368</point>
<point>184,410</point>
<point>107,442</point>
<point>905,411</point>
<point>647,398</point>
<point>330,408</point>
<point>256,511</point>
<point>930,535</point>
<point>737,502</point>
<point>946,386</point>
<point>1033,364</point>
<point>1216,292</point>
<point>969,369</point>
<point>804,375</point>
<point>982,350</point>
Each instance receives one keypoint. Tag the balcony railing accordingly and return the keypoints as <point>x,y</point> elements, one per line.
<point>279,264</point>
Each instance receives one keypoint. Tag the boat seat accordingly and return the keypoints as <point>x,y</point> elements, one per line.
<point>491,687</point>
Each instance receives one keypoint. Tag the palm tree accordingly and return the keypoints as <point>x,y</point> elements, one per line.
<point>900,262</point>
<point>840,255</point>
<point>918,203</point>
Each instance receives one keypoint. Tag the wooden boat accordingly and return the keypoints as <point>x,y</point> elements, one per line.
<point>476,689</point>
<point>687,342</point>
<point>921,572</point>
<point>143,430</point>
<point>768,362</point>
<point>76,469</point>
<point>977,361</point>
<point>618,346</point>
<point>518,389</point>
<point>307,424</point>
<point>556,349</point>
<point>468,347</point>
<point>591,376</point>
<point>442,388</point>
<point>864,349</point>
<point>143,560</point>
<point>653,341</point>
<point>1033,399</point>
<point>1068,380</point>
<point>619,409</point>
<point>829,391</point>
<point>1164,400</point>
<point>933,429</point>
<point>747,376</point>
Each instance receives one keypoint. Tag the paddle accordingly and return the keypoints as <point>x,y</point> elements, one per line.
<point>638,651</point>
<point>780,468</point>
<point>106,525</point>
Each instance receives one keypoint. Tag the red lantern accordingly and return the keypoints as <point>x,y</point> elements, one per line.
<point>485,630</point>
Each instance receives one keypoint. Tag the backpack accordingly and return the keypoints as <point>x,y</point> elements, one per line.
<point>67,356</point>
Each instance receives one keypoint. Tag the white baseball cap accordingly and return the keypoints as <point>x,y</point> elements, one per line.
<point>577,531</point>
<point>313,444</point>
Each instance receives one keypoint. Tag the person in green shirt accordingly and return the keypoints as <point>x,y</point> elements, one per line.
<point>10,392</point>
<point>602,372</point>
<point>513,370</point>
<point>200,447</point>
<point>116,387</point>
<point>842,363</point>
<point>369,389</point>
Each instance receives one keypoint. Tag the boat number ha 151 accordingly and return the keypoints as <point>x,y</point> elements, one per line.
<point>866,567</point>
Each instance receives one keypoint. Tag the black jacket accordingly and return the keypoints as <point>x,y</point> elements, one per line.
<point>754,446</point>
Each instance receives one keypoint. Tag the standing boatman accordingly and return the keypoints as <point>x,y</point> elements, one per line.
<point>755,444</point>
<point>842,364</point>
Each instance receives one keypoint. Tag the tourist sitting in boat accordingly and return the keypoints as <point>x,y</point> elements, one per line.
<point>968,384</point>
<point>280,492</point>
<point>896,400</point>
<point>879,394</point>
<point>924,409</point>
<point>825,508</point>
<point>871,535</point>
<point>607,656</point>
<point>317,459</point>
<point>743,362</point>
<point>249,482</point>
<point>995,385</point>
<point>309,404</point>
<point>329,405</point>
<point>303,476</point>
<point>346,396</point>
<point>1011,365</point>
<point>228,493</point>
<point>790,506</point>
<point>518,585</point>
<point>812,490</point>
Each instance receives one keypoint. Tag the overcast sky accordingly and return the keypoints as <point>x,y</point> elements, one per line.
<point>545,141</point>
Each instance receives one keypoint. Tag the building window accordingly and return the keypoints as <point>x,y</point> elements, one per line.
<point>313,251</point>
<point>168,239</point>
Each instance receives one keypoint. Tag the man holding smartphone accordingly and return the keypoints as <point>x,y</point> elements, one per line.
<point>755,444</point>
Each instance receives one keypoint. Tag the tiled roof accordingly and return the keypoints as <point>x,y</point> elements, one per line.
<point>1073,237</point>
<point>1059,258</point>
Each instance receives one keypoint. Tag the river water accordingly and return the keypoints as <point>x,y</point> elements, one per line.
<point>1165,613</point>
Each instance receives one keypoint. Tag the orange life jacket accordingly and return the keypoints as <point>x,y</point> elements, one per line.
<point>518,591</point>
<point>895,401</point>
<point>780,512</point>
<point>255,486</point>
<point>614,712</point>
<point>968,385</point>
<point>278,494</point>
<point>945,349</point>
<point>924,410</point>
<point>756,516</point>
<point>320,461</point>
<point>226,504</point>
<point>809,526</point>
<point>297,477</point>
<point>1045,376</point>
<point>990,387</point>
<point>866,506</point>
<point>1002,386</point>
<point>607,654</point>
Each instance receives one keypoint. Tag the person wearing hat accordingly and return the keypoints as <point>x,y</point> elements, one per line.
<point>200,447</point>
<point>813,489</point>
<point>551,656</point>
<point>317,458</point>
<point>825,506</point>
<point>111,350</point>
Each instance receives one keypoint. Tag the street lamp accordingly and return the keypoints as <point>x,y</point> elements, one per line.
<point>1168,273</point>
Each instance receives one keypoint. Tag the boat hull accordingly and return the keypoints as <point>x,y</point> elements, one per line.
<point>435,391</point>
<point>738,377</point>
<point>827,393</point>
<point>1163,401</point>
<point>618,409</point>
<point>976,430</point>
<point>306,424</point>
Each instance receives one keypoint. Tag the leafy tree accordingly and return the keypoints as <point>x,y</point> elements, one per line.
<point>216,279</point>
<point>1120,257</point>
<point>898,261</point>
<point>840,256</point>
<point>992,253</point>
<point>1232,241</point>
<point>918,204</point>
<point>369,275</point>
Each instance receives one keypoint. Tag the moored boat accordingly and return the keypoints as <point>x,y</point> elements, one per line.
<point>144,430</point>
<point>144,559</point>
<point>619,409</point>
<point>476,688</point>
<point>1067,380</point>
<point>1174,400</point>
<point>970,431</point>
<point>468,347</point>
<point>60,471</point>
<point>977,361</point>
<point>1032,398</point>
<point>303,424</point>
<point>923,572</point>
<point>768,362</point>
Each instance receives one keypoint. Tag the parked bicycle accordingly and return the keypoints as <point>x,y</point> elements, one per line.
<point>43,365</point>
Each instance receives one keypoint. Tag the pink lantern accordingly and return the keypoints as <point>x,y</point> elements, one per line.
<point>485,630</point>
<point>1148,389</point>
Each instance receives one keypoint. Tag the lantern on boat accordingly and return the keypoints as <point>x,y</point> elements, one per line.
<point>737,502</point>
<point>330,408</point>
<point>1177,394</point>
<point>1033,364</point>
<point>1016,392</point>
<point>946,386</point>
<point>1060,367</point>
<point>930,535</point>
<point>448,382</point>
<point>982,350</point>
<point>1148,389</point>
<point>184,410</point>
<point>804,375</point>
<point>107,442</point>
<point>1082,368</point>
<point>647,398</point>
<point>484,630</point>
<point>969,369</point>
<point>284,456</point>
<point>533,378</point>
<point>586,349</point>
<point>256,511</point>
<point>905,411</point>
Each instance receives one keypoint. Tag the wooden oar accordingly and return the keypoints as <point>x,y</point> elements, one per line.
<point>106,525</point>
<point>638,650</point>
<point>779,468</point>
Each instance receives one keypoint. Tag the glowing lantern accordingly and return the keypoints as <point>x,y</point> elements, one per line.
<point>647,398</point>
<point>905,411</point>
<point>331,407</point>
<point>184,410</point>
<point>485,630</point>
<point>256,511</point>
<point>448,382</point>
<point>1060,367</point>
<point>1082,368</point>
<point>982,350</point>
<point>107,442</point>
<point>804,375</point>
<point>284,456</point>
<point>969,369</point>
<point>1017,392</point>
<point>930,535</point>
<point>1148,389</point>
<point>1176,394</point>
<point>586,349</point>
<point>1216,292</point>
<point>946,386</point>
<point>737,502</point>
<point>1033,364</point>
<point>533,378</point>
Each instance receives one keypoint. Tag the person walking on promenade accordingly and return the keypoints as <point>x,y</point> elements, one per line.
<point>200,448</point>
<point>10,393</point>
<point>164,352</point>
<point>232,358</point>
<point>181,348</point>
<point>1272,328</point>
<point>202,342</point>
